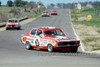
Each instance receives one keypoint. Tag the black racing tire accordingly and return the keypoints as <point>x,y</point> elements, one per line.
<point>7,29</point>
<point>74,50</point>
<point>36,42</point>
<point>48,16</point>
<point>18,28</point>
<point>28,46</point>
<point>50,48</point>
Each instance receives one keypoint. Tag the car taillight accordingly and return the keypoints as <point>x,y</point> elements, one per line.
<point>78,42</point>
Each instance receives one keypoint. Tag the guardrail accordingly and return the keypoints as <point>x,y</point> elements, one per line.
<point>24,18</point>
<point>4,24</point>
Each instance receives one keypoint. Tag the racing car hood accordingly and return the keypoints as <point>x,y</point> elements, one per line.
<point>12,23</point>
<point>64,38</point>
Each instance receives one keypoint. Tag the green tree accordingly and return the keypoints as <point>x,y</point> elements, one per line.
<point>10,3</point>
<point>59,5</point>
<point>18,3</point>
<point>52,5</point>
<point>0,3</point>
<point>24,3</point>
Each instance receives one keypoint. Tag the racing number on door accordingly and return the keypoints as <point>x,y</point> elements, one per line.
<point>45,41</point>
<point>31,40</point>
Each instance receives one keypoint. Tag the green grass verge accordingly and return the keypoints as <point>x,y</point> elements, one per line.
<point>97,8</point>
<point>92,41</point>
<point>83,13</point>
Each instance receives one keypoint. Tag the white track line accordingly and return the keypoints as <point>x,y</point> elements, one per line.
<point>81,45</point>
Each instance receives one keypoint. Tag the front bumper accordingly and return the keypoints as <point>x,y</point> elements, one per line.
<point>12,27</point>
<point>45,15</point>
<point>66,47</point>
<point>53,13</point>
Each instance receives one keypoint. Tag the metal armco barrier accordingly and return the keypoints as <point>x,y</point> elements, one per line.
<point>4,24</point>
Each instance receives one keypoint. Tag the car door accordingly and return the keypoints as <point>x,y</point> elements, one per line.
<point>32,37</point>
<point>39,37</point>
<point>43,41</point>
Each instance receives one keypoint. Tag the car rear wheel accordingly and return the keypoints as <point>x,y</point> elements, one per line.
<point>28,46</point>
<point>50,48</point>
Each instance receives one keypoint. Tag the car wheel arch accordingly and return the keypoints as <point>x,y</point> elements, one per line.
<point>50,48</point>
<point>28,45</point>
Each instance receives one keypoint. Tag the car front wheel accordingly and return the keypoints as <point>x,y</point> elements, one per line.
<point>18,28</point>
<point>28,46</point>
<point>50,48</point>
<point>6,28</point>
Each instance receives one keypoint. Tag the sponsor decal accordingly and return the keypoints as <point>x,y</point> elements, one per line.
<point>53,43</point>
<point>62,38</point>
<point>30,39</point>
<point>45,41</point>
<point>70,37</point>
<point>24,39</point>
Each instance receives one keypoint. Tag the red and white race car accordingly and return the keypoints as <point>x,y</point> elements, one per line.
<point>53,12</point>
<point>45,14</point>
<point>13,24</point>
<point>49,38</point>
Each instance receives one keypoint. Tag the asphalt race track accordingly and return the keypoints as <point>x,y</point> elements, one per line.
<point>14,54</point>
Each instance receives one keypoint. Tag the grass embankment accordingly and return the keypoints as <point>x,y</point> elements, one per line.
<point>33,13</point>
<point>97,8</point>
<point>88,31</point>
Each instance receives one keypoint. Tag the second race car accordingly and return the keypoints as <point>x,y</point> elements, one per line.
<point>13,24</point>
<point>45,14</point>
<point>53,12</point>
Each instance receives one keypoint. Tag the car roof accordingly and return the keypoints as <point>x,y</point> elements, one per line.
<point>45,11</point>
<point>47,28</point>
<point>53,10</point>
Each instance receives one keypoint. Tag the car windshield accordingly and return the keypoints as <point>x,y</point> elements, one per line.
<point>53,11</point>
<point>45,12</point>
<point>54,32</point>
<point>12,21</point>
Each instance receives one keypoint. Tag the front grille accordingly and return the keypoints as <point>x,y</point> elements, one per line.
<point>67,43</point>
<point>12,25</point>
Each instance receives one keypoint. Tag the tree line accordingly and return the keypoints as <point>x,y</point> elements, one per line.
<point>18,3</point>
<point>72,5</point>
